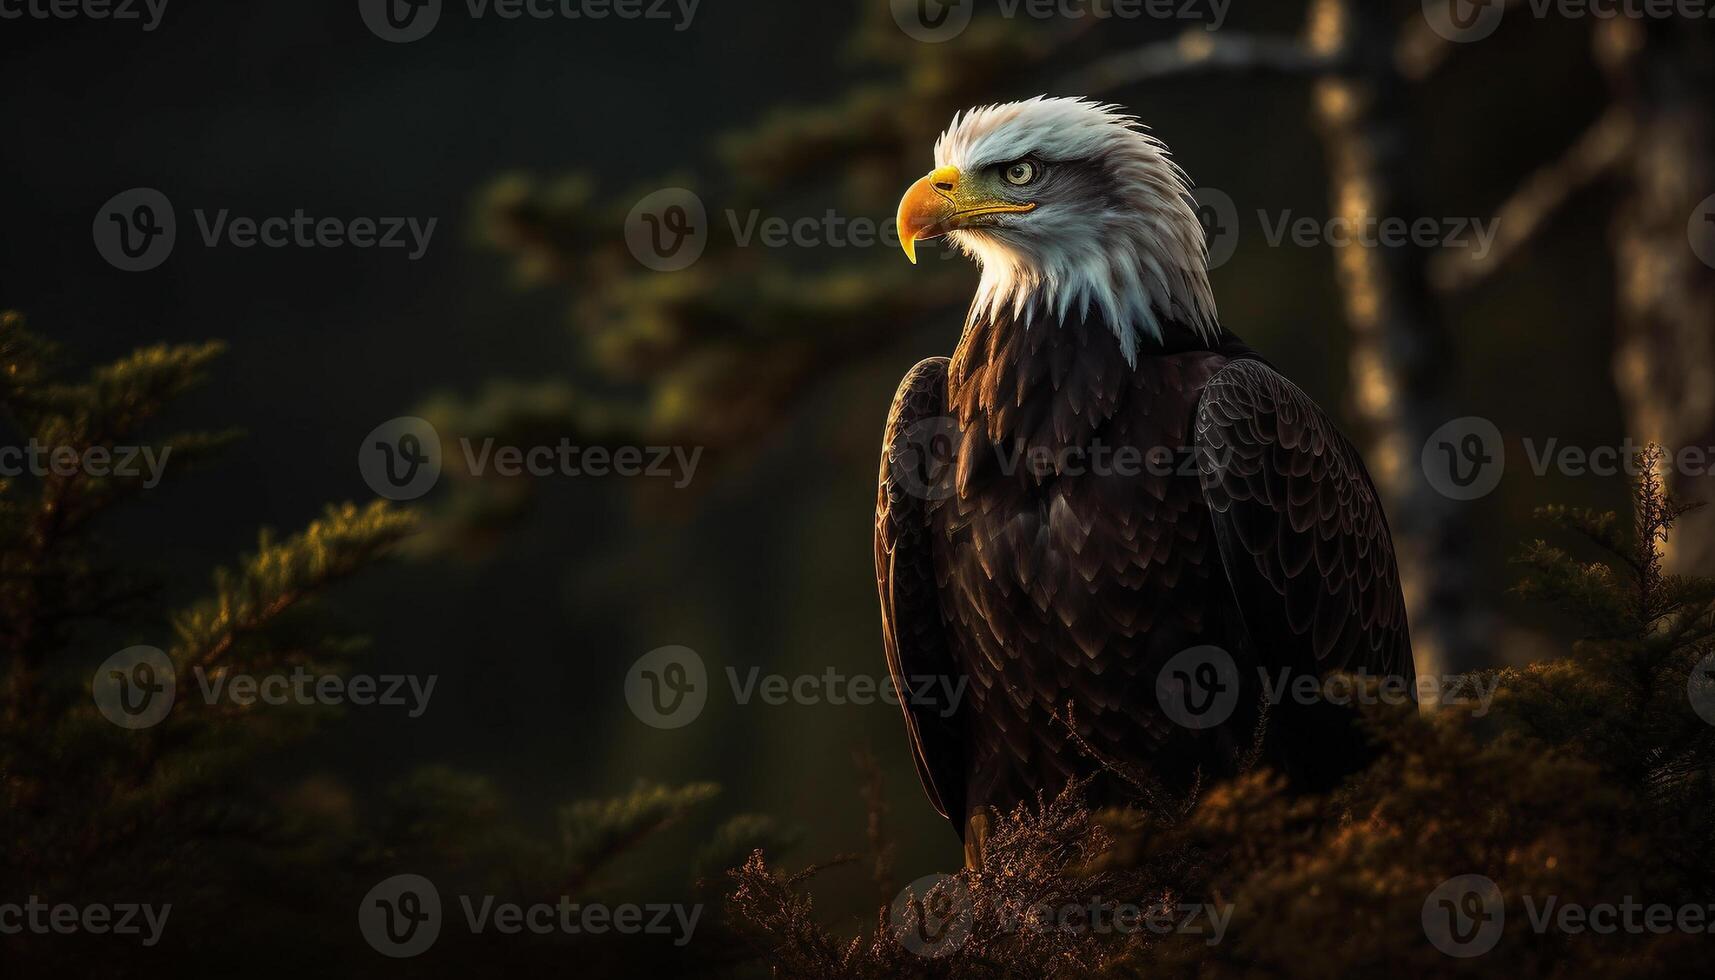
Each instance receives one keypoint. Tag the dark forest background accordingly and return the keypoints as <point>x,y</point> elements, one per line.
<point>527,318</point>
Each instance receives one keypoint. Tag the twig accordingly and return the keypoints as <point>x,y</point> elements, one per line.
<point>1141,782</point>
<point>1597,153</point>
<point>1422,49</point>
<point>1197,52</point>
<point>881,849</point>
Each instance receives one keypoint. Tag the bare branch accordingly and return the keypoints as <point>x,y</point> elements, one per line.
<point>1422,50</point>
<point>1198,51</point>
<point>1597,153</point>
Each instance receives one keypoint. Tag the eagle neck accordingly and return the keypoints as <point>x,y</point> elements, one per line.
<point>1037,384</point>
<point>1054,384</point>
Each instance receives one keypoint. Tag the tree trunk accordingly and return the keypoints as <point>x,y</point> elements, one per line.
<point>1664,359</point>
<point>1401,352</point>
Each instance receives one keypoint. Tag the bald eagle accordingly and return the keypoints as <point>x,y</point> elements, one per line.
<point>1103,478</point>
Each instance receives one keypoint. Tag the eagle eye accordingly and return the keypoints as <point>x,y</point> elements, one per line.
<point>1021,172</point>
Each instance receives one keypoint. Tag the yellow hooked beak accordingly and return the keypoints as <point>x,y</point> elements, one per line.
<point>943,201</point>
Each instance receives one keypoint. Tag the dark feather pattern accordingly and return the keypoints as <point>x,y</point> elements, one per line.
<point>912,630</point>
<point>1302,533</point>
<point>1045,578</point>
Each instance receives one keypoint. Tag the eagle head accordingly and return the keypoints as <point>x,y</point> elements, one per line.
<point>1069,207</point>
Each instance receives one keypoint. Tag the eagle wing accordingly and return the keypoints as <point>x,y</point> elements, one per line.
<point>918,655</point>
<point>1302,537</point>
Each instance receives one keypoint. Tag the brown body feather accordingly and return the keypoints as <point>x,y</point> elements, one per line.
<point>1054,524</point>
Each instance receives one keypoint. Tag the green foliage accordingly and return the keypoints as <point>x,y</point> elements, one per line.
<point>1590,780</point>
<point>460,824</point>
<point>87,808</point>
<point>248,598</point>
<point>1622,699</point>
<point>594,831</point>
<point>732,843</point>
<point>203,809</point>
<point>50,575</point>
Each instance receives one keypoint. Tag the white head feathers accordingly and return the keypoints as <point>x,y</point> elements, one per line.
<point>1114,231</point>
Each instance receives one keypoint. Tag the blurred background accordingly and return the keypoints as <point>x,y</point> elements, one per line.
<point>1585,144</point>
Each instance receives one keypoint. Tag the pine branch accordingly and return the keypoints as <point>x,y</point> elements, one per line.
<point>739,837</point>
<point>595,832</point>
<point>1596,154</point>
<point>37,562</point>
<point>281,574</point>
